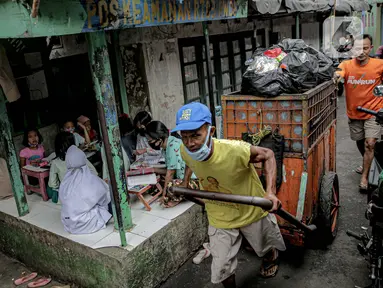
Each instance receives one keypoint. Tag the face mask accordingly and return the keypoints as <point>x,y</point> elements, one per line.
<point>70,130</point>
<point>204,151</point>
<point>154,145</point>
<point>33,145</point>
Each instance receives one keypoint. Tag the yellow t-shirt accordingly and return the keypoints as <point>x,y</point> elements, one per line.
<point>228,171</point>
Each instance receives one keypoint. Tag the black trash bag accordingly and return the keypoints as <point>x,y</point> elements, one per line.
<point>325,64</point>
<point>275,142</point>
<point>263,77</point>
<point>289,45</point>
<point>302,68</point>
<point>269,84</point>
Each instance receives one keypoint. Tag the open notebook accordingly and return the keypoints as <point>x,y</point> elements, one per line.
<point>142,180</point>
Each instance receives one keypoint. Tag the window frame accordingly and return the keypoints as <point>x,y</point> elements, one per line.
<point>199,43</point>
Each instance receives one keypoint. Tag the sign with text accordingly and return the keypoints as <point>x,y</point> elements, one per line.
<point>136,13</point>
<point>62,17</point>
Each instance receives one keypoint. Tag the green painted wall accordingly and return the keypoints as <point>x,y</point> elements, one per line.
<point>61,17</point>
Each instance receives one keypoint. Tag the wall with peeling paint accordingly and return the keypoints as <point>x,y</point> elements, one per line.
<point>161,76</point>
<point>70,45</point>
<point>164,80</point>
<point>162,73</point>
<point>135,78</point>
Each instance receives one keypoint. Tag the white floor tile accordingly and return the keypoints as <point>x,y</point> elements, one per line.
<point>147,225</point>
<point>137,204</point>
<point>34,209</point>
<point>136,213</point>
<point>51,204</point>
<point>8,206</point>
<point>58,228</point>
<point>47,215</point>
<point>113,240</point>
<point>45,218</point>
<point>34,197</point>
<point>169,213</point>
<point>91,239</point>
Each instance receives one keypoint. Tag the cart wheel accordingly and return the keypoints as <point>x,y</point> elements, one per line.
<point>328,213</point>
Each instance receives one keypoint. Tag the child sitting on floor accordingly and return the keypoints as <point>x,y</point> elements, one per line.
<point>84,196</point>
<point>143,149</point>
<point>58,167</point>
<point>159,137</point>
<point>33,152</point>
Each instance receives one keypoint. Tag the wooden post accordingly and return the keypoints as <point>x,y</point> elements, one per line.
<point>120,70</point>
<point>12,162</point>
<point>103,88</point>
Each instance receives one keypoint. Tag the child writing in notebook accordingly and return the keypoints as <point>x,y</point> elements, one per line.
<point>33,152</point>
<point>159,137</point>
<point>143,149</point>
<point>63,141</point>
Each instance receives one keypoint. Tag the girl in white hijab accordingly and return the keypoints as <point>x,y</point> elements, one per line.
<point>83,195</point>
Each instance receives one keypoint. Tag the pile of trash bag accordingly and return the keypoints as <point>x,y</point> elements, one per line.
<point>291,67</point>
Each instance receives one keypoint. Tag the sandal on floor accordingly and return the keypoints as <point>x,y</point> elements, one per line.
<point>25,279</point>
<point>363,188</point>
<point>359,170</point>
<point>171,203</point>
<point>201,255</point>
<point>40,283</point>
<point>269,267</point>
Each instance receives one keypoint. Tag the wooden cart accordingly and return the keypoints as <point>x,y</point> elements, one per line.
<point>310,188</point>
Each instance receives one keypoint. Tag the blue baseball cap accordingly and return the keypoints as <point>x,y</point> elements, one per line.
<point>192,116</point>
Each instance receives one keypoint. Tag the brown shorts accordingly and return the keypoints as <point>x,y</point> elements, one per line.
<point>224,245</point>
<point>362,129</point>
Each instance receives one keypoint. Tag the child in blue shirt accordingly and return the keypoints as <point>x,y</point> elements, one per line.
<point>158,136</point>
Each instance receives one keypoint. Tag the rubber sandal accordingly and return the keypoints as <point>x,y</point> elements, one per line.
<point>171,204</point>
<point>201,255</point>
<point>359,170</point>
<point>267,265</point>
<point>25,279</point>
<point>40,283</point>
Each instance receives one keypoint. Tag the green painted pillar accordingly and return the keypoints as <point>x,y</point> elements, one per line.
<point>120,71</point>
<point>107,111</point>
<point>12,161</point>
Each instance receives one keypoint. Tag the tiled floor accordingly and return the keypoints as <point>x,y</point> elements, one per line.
<point>46,215</point>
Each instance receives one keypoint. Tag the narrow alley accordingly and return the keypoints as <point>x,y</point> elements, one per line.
<point>340,266</point>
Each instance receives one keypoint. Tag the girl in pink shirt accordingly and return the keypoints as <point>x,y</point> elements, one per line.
<point>34,151</point>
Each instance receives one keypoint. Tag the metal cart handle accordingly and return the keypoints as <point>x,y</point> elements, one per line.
<point>240,199</point>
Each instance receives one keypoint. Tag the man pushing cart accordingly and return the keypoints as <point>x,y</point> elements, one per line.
<point>226,166</point>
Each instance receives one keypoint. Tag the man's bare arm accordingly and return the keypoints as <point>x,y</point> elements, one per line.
<point>266,156</point>
<point>187,176</point>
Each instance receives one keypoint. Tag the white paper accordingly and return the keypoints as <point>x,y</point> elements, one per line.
<point>49,158</point>
<point>35,169</point>
<point>142,180</point>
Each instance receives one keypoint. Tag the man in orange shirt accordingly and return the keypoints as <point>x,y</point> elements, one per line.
<point>362,74</point>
